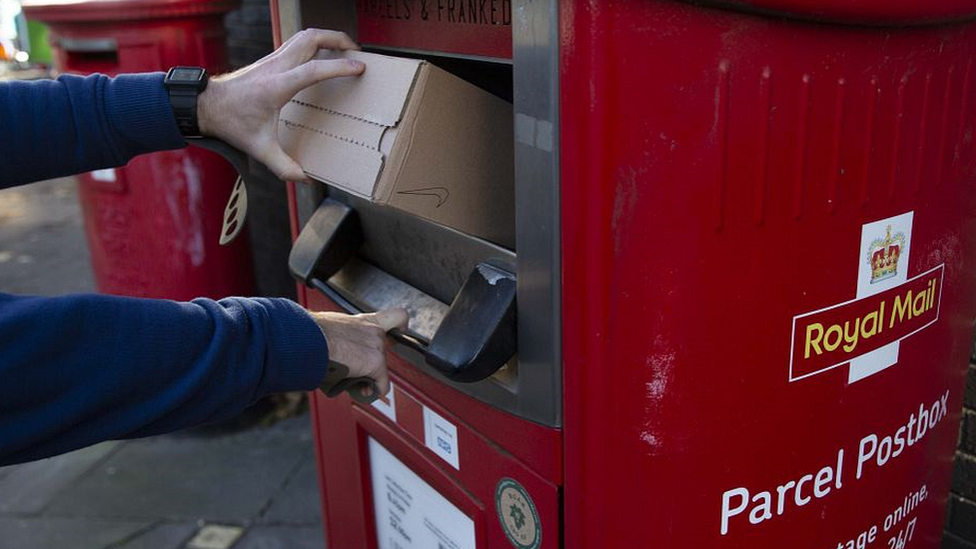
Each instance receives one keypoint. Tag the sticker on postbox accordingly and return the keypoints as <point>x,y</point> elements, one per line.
<point>866,332</point>
<point>517,515</point>
<point>387,405</point>
<point>440,435</point>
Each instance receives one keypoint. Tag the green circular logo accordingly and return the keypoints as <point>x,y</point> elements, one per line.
<point>517,514</point>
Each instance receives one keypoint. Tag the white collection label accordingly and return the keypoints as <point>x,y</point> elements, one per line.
<point>886,241</point>
<point>387,405</point>
<point>440,435</point>
<point>106,174</point>
<point>410,514</point>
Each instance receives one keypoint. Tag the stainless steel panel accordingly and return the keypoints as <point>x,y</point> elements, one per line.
<point>535,35</point>
<point>372,289</point>
<point>433,258</point>
<point>289,18</point>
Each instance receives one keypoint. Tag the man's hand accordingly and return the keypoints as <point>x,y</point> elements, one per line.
<point>242,107</point>
<point>359,342</point>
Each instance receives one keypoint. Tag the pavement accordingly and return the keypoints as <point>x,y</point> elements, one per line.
<point>42,240</point>
<point>217,488</point>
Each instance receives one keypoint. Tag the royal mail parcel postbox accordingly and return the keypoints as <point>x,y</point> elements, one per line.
<point>743,273</point>
<point>153,225</point>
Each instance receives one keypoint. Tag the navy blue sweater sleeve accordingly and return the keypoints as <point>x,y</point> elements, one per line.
<point>52,128</point>
<point>77,370</point>
<point>81,369</point>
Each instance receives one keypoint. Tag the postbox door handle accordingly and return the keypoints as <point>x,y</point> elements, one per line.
<point>477,335</point>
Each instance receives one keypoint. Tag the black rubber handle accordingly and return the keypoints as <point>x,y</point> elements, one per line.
<point>337,380</point>
<point>235,156</point>
<point>477,335</point>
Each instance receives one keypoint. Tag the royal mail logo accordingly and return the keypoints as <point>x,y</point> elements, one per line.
<point>832,337</point>
<point>865,332</point>
<point>883,256</point>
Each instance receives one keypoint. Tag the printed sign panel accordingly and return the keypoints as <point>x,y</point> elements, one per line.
<point>865,332</point>
<point>887,307</point>
<point>410,514</point>
<point>481,28</point>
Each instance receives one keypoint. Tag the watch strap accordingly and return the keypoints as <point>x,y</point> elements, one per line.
<point>183,98</point>
<point>184,103</point>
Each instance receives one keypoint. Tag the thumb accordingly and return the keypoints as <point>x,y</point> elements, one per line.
<point>281,164</point>
<point>389,319</point>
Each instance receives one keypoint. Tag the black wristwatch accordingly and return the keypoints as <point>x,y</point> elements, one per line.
<point>184,85</point>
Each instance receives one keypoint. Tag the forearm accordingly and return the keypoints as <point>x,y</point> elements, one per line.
<point>51,128</point>
<point>77,370</point>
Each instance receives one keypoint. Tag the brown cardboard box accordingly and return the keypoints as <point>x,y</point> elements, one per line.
<point>410,135</point>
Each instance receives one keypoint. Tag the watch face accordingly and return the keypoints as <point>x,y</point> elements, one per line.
<point>186,74</point>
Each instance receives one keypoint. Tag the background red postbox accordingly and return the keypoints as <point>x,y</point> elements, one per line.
<point>745,284</point>
<point>153,226</point>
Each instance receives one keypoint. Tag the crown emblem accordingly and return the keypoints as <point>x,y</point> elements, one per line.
<point>883,256</point>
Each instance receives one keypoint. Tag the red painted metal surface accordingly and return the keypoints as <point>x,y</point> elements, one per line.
<point>289,185</point>
<point>718,171</point>
<point>482,28</point>
<point>735,190</point>
<point>865,12</point>
<point>153,226</point>
<point>491,444</point>
<point>100,11</point>
<point>538,446</point>
<point>349,516</point>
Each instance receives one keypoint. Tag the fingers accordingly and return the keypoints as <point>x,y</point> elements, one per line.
<point>389,319</point>
<point>374,364</point>
<point>331,40</point>
<point>305,44</point>
<point>315,71</point>
<point>360,342</point>
<point>383,383</point>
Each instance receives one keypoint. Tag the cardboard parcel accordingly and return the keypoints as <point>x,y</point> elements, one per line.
<point>412,136</point>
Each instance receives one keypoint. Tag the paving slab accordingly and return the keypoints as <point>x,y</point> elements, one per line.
<point>147,494</point>
<point>45,532</point>
<point>29,487</point>
<point>161,536</point>
<point>298,503</point>
<point>282,537</point>
<point>216,536</point>
<point>42,240</point>
<point>226,478</point>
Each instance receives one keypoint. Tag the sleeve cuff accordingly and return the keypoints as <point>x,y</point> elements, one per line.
<point>300,354</point>
<point>138,107</point>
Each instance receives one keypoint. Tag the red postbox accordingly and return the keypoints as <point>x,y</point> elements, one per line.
<point>745,250</point>
<point>153,226</point>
